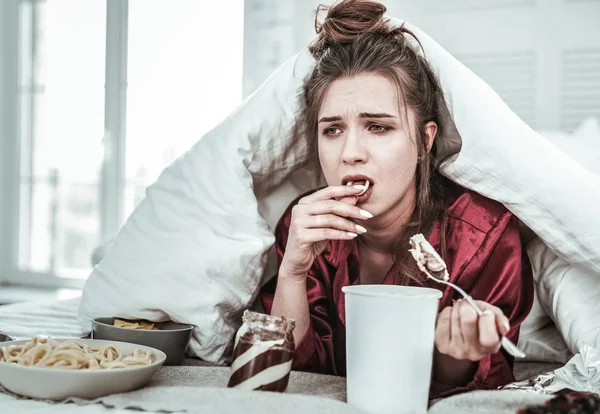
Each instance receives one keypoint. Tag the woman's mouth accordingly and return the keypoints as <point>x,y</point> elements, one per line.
<point>364,183</point>
<point>365,193</point>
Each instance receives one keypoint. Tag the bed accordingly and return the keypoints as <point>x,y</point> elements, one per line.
<point>198,386</point>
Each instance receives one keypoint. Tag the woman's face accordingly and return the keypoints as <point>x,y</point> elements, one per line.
<point>362,135</point>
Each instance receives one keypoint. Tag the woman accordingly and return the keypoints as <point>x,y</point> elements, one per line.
<point>372,113</point>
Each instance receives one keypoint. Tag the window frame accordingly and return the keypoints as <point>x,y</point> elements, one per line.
<point>111,186</point>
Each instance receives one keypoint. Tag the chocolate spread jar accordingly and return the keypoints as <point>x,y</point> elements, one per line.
<point>263,353</point>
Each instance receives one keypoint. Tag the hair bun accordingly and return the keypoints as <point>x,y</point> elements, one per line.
<point>345,20</point>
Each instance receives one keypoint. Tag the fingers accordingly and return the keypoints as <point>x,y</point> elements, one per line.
<point>334,191</point>
<point>469,326</point>
<point>502,322</point>
<point>442,330</point>
<point>456,335</point>
<point>463,334</point>
<point>310,236</point>
<point>489,338</point>
<point>352,200</point>
<point>319,217</point>
<point>334,207</point>
<point>338,200</point>
<point>331,221</point>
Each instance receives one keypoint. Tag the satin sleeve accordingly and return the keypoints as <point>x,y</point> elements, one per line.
<point>315,352</point>
<point>505,281</point>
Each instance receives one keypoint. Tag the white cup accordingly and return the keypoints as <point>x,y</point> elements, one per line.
<point>389,347</point>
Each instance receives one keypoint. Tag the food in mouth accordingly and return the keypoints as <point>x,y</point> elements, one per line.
<point>366,185</point>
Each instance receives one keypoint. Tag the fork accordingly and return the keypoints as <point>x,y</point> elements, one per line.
<point>507,344</point>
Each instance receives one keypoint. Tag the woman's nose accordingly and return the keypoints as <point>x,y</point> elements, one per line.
<point>354,151</point>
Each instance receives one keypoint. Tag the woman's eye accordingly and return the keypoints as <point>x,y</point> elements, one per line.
<point>332,131</point>
<point>378,128</point>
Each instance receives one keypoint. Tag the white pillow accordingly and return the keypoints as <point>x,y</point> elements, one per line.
<point>537,319</point>
<point>569,294</point>
<point>583,145</point>
<point>503,159</point>
<point>545,345</point>
<point>539,337</point>
<point>196,248</point>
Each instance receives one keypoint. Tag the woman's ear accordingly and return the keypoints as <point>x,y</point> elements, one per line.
<point>430,131</point>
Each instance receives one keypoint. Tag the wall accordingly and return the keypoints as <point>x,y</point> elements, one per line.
<point>8,125</point>
<point>541,56</point>
<point>3,139</point>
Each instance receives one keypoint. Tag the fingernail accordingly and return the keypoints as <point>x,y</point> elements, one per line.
<point>361,229</point>
<point>352,234</point>
<point>507,325</point>
<point>359,187</point>
<point>487,312</point>
<point>366,214</point>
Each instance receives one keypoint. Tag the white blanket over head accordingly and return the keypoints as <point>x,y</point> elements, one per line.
<point>566,314</point>
<point>196,248</point>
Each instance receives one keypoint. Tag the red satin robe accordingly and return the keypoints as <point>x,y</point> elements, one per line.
<point>484,256</point>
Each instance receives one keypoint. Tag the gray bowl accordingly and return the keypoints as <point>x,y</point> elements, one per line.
<point>172,338</point>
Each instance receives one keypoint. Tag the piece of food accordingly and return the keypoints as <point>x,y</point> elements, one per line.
<point>367,183</point>
<point>428,260</point>
<point>48,353</point>
<point>142,325</point>
<point>263,353</point>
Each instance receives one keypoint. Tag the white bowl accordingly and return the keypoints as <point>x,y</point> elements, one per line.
<point>59,384</point>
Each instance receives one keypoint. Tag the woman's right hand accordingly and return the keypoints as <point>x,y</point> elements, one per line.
<point>317,218</point>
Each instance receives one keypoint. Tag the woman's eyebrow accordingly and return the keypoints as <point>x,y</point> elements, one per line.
<point>377,115</point>
<point>330,119</point>
<point>362,115</point>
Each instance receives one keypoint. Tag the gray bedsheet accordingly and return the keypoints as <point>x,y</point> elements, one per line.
<point>200,387</point>
<point>57,318</point>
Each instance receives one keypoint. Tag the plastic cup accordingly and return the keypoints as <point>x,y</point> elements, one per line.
<point>389,347</point>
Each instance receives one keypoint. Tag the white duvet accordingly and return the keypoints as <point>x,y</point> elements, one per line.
<point>197,247</point>
<point>570,295</point>
<point>566,314</point>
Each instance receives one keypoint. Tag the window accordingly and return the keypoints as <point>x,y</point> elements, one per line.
<point>61,102</point>
<point>184,75</point>
<point>100,113</point>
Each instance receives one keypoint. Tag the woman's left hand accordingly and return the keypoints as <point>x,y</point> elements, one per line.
<point>461,334</point>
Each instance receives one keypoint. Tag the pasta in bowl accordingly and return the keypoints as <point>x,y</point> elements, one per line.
<point>56,369</point>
